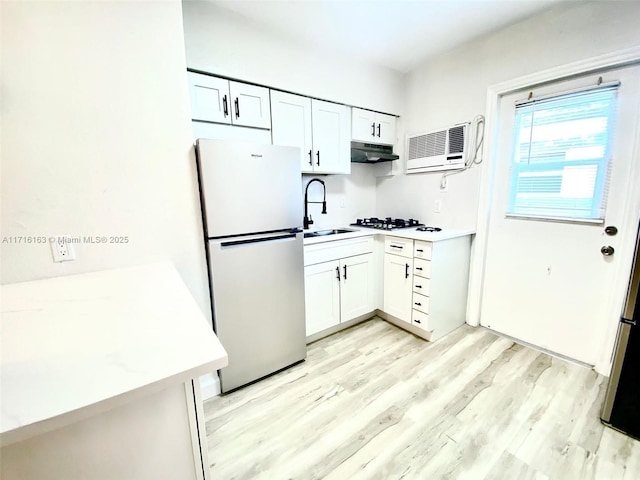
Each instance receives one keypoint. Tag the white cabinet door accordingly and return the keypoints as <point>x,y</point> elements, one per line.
<point>322,296</point>
<point>250,105</point>
<point>385,129</point>
<point>363,125</point>
<point>291,125</point>
<point>210,100</point>
<point>356,294</point>
<point>372,127</point>
<point>331,137</point>
<point>398,286</point>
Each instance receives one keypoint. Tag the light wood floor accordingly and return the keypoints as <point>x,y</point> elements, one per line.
<point>375,402</point>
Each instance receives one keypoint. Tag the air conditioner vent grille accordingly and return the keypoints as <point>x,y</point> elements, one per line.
<point>427,145</point>
<point>456,139</point>
<point>437,150</point>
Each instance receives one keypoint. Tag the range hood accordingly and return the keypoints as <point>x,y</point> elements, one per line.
<point>371,153</point>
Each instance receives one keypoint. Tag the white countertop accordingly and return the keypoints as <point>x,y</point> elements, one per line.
<point>75,346</point>
<point>411,233</point>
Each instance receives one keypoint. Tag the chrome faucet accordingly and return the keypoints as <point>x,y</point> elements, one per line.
<point>307,218</point>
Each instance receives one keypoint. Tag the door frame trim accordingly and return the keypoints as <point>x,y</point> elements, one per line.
<point>614,60</point>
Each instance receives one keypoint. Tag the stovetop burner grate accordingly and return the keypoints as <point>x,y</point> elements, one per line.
<point>387,223</point>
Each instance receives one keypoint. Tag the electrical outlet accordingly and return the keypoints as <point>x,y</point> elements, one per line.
<point>62,249</point>
<point>437,206</point>
<point>342,202</point>
<point>444,184</point>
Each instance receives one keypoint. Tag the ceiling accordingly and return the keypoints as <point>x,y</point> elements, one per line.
<point>396,34</point>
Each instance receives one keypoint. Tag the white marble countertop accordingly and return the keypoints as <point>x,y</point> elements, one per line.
<point>411,233</point>
<point>76,346</point>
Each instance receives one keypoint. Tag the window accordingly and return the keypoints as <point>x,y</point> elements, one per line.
<point>560,158</point>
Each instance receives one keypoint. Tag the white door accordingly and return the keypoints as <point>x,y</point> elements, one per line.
<point>331,137</point>
<point>398,286</point>
<point>386,129</point>
<point>546,281</point>
<point>363,125</point>
<point>356,295</point>
<point>291,125</point>
<point>322,296</point>
<point>209,98</point>
<point>250,105</point>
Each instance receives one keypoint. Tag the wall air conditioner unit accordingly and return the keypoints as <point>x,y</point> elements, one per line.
<point>438,150</point>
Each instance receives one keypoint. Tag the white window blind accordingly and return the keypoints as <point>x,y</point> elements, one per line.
<point>560,159</point>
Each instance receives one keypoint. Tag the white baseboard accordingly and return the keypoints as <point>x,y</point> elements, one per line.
<point>209,385</point>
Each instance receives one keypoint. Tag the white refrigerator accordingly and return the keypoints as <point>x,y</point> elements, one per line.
<point>251,199</point>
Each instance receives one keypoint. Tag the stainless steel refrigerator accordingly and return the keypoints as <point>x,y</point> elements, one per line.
<point>251,199</point>
<point>621,409</point>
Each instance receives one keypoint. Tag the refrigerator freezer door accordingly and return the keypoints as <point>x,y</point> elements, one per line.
<point>616,368</point>
<point>249,188</point>
<point>258,289</point>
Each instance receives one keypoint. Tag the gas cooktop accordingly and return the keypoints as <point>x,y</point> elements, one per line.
<point>387,223</point>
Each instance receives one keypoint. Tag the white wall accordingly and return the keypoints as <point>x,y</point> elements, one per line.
<point>96,138</point>
<point>223,42</point>
<point>452,87</point>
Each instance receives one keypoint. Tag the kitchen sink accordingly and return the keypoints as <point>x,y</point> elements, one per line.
<point>322,233</point>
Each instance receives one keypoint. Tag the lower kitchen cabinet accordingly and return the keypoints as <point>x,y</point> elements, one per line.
<point>340,284</point>
<point>425,284</point>
<point>356,288</point>
<point>398,286</point>
<point>398,277</point>
<point>322,296</point>
<point>338,291</point>
<point>419,285</point>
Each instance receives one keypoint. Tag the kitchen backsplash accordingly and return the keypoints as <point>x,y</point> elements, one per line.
<point>348,197</point>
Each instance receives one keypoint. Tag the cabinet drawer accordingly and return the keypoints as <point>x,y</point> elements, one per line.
<point>421,302</point>
<point>334,250</point>
<point>421,285</point>
<point>420,319</point>
<point>422,267</point>
<point>398,246</point>
<point>422,249</point>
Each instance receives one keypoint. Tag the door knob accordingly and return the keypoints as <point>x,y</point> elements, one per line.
<point>607,250</point>
<point>610,230</point>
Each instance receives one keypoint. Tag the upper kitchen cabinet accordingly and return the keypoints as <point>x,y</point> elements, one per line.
<point>291,125</point>
<point>320,129</point>
<point>331,139</point>
<point>373,127</point>
<point>250,105</point>
<point>219,100</point>
<point>209,98</point>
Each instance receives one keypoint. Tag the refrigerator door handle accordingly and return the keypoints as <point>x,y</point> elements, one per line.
<point>247,241</point>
